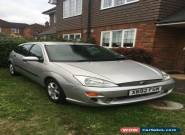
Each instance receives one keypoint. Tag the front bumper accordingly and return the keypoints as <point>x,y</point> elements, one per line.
<point>119,95</point>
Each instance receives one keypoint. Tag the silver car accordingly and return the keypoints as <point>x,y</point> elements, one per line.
<point>88,74</point>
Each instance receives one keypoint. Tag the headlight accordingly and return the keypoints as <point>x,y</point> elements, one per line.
<point>165,76</point>
<point>94,82</point>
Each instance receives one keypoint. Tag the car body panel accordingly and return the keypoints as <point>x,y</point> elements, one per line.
<point>121,71</point>
<point>117,71</point>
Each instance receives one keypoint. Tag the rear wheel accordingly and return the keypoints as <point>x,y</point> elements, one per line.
<point>55,92</point>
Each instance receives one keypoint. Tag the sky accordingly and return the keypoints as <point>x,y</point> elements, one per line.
<point>24,11</point>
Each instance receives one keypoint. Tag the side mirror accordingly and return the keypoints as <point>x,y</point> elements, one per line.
<point>30,59</point>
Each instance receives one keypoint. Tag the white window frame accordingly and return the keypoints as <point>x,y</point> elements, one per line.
<point>55,18</point>
<point>122,40</point>
<point>113,4</point>
<point>70,14</point>
<point>75,34</point>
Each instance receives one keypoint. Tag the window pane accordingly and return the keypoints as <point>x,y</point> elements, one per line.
<point>77,37</point>
<point>119,2</point>
<point>116,38</point>
<point>107,3</point>
<point>106,39</point>
<point>23,50</point>
<point>81,53</point>
<point>78,7</point>
<point>66,9</point>
<point>72,37</point>
<point>36,51</point>
<point>130,1</point>
<point>129,36</point>
<point>72,8</point>
<point>65,37</point>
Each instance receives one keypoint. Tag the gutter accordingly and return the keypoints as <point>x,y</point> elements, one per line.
<point>89,20</point>
<point>170,24</point>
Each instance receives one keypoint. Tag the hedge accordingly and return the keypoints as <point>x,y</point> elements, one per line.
<point>136,54</point>
<point>7,44</point>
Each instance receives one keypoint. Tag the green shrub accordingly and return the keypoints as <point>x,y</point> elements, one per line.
<point>136,54</point>
<point>7,44</point>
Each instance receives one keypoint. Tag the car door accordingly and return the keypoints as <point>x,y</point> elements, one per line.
<point>19,53</point>
<point>35,68</point>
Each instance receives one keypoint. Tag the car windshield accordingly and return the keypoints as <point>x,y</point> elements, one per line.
<point>80,53</point>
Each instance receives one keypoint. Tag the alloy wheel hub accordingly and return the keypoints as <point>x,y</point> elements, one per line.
<point>53,91</point>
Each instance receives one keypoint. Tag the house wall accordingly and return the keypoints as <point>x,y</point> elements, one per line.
<point>168,48</point>
<point>51,21</point>
<point>140,11</point>
<point>144,36</point>
<point>168,7</point>
<point>8,31</point>
<point>135,12</point>
<point>180,63</point>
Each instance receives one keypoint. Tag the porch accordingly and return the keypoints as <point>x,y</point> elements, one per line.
<point>169,45</point>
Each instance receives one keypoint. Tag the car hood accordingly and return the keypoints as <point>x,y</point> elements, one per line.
<point>115,71</point>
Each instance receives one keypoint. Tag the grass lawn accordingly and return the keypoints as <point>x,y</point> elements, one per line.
<point>26,110</point>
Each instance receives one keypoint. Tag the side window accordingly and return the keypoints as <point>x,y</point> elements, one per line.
<point>36,51</point>
<point>23,49</point>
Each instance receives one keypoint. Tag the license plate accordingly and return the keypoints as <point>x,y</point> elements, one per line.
<point>144,91</point>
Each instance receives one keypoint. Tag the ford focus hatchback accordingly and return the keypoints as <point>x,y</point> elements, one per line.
<point>88,74</point>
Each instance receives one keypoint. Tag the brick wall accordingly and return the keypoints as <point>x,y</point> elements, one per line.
<point>145,33</point>
<point>167,48</point>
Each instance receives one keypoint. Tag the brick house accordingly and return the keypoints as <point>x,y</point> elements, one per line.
<point>13,29</point>
<point>155,25</point>
<point>20,29</point>
<point>33,30</point>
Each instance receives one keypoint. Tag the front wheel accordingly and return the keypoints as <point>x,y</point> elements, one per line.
<point>12,69</point>
<point>55,92</point>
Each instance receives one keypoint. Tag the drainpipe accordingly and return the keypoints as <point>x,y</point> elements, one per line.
<point>89,20</point>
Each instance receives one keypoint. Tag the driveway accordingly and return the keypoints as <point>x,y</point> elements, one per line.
<point>180,82</point>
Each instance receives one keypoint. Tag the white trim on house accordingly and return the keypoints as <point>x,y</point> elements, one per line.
<point>169,24</point>
<point>72,8</point>
<point>122,37</point>
<point>125,2</point>
<point>75,34</point>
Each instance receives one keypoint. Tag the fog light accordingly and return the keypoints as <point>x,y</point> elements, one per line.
<point>94,99</point>
<point>92,94</point>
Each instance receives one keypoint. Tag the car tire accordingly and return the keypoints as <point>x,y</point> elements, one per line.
<point>12,70</point>
<point>55,92</point>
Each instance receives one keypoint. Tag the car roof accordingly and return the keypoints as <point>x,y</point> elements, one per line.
<point>59,43</point>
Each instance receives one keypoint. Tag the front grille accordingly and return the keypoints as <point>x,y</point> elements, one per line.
<point>138,83</point>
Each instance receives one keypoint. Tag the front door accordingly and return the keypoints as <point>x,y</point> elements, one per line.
<point>35,68</point>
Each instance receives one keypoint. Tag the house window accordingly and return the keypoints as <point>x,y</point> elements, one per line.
<point>129,37</point>
<point>72,37</point>
<point>106,39</point>
<point>72,8</point>
<point>118,38</point>
<point>14,30</point>
<point>0,29</point>
<point>114,3</point>
<point>66,37</point>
